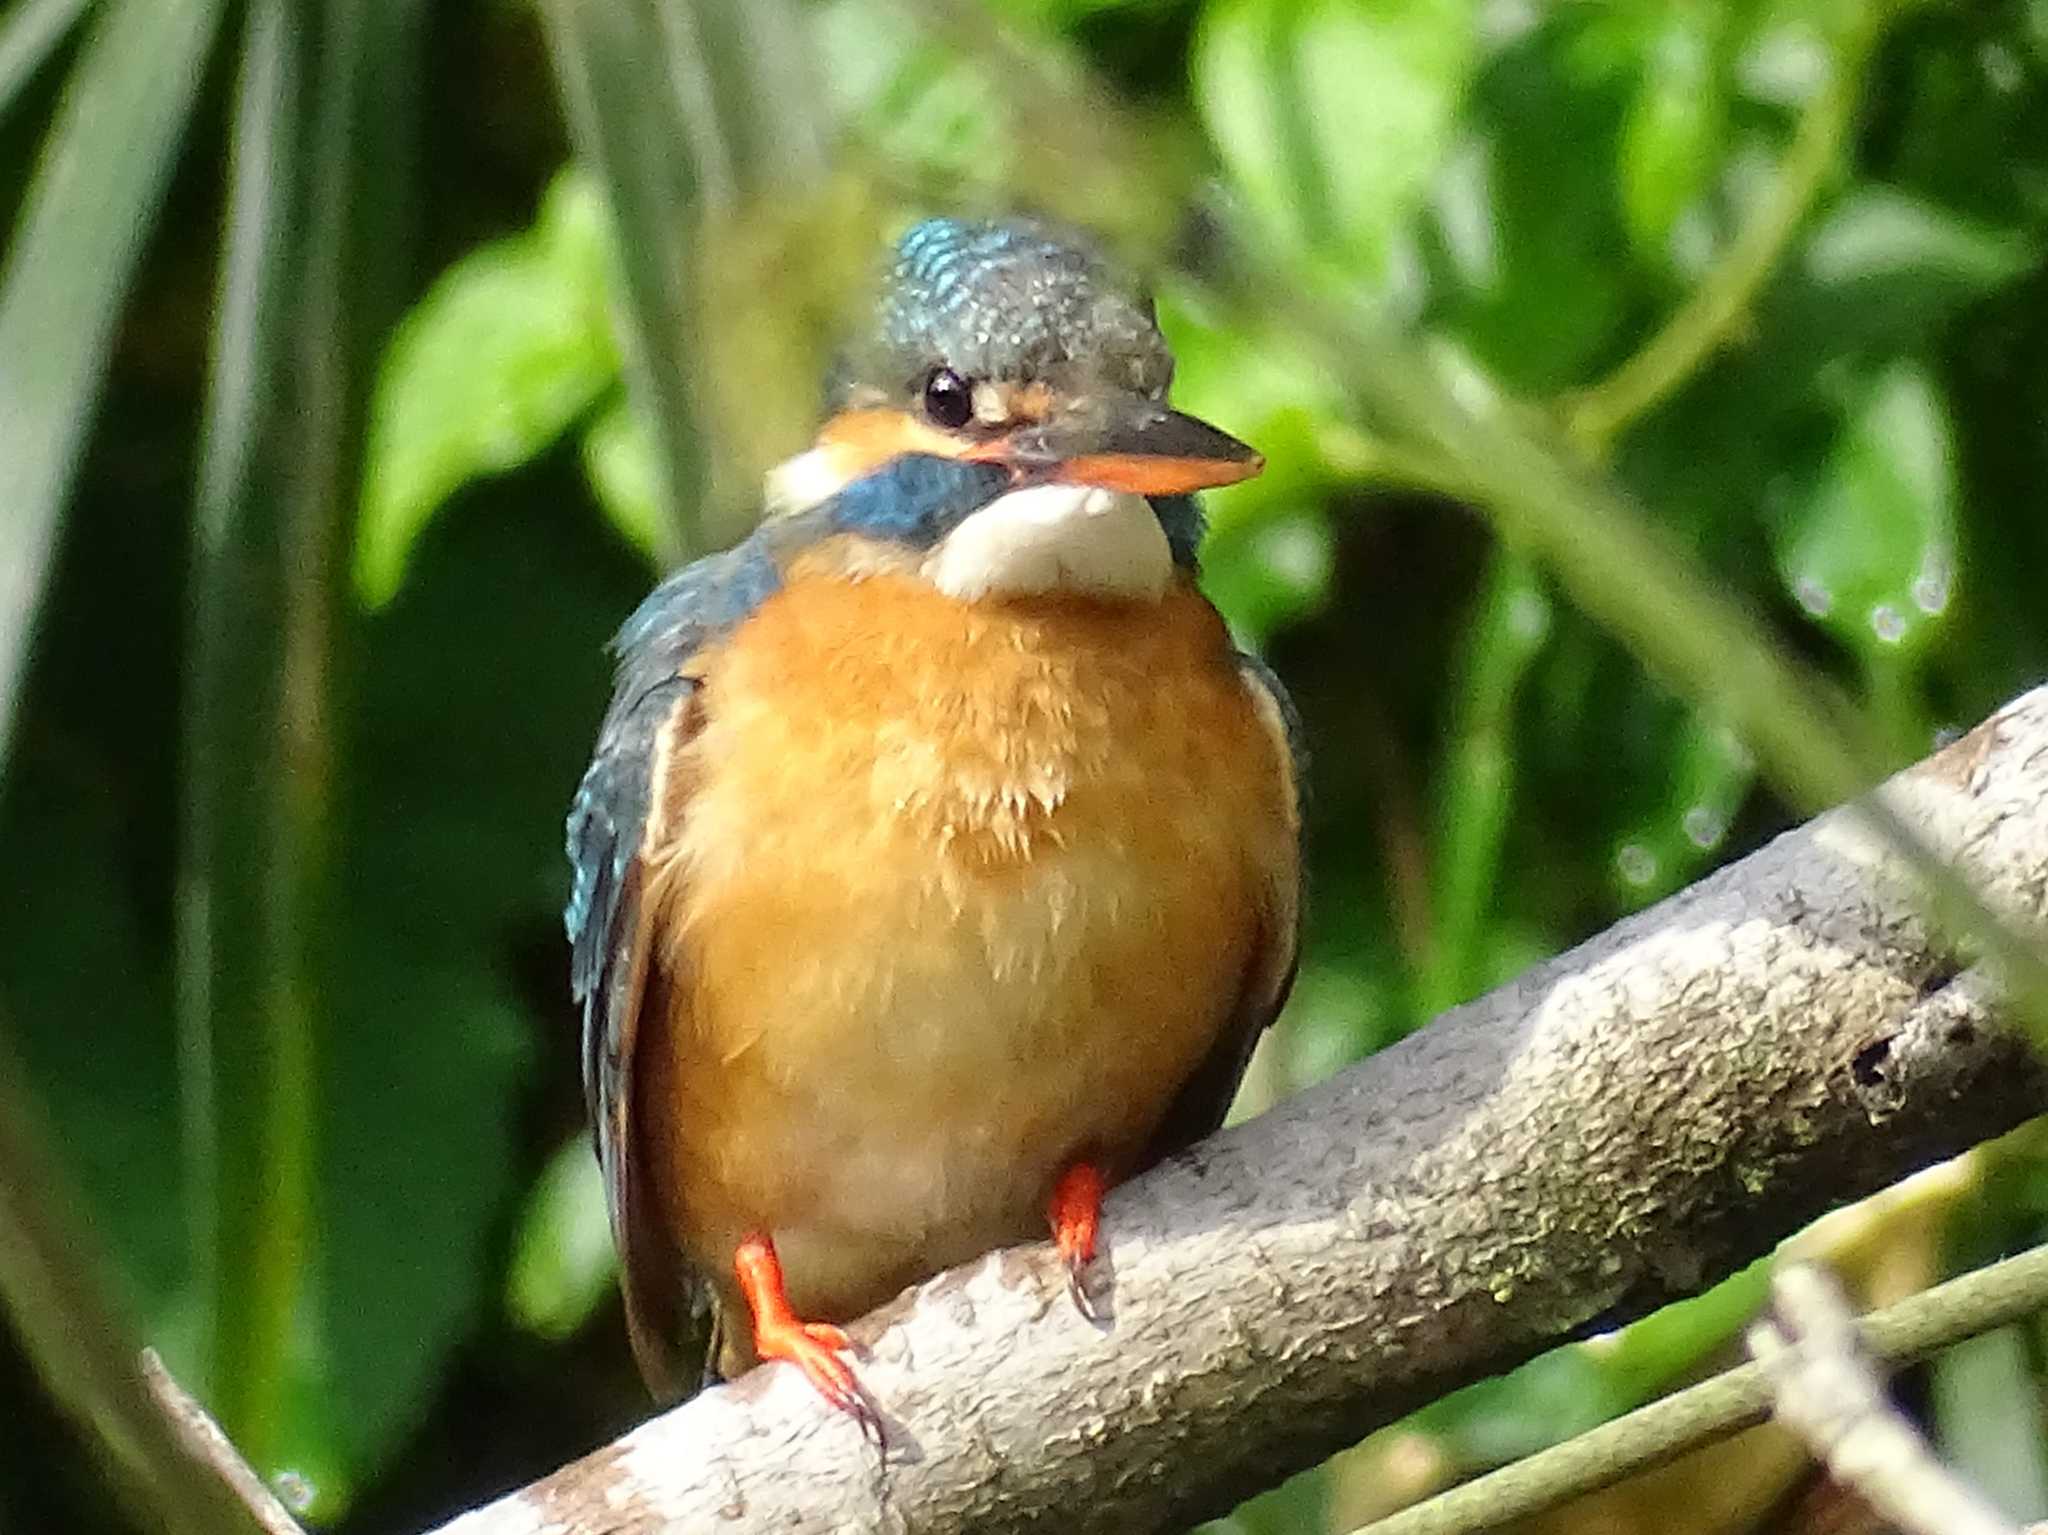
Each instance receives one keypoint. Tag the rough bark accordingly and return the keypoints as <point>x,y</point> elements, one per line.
<point>1619,1127</point>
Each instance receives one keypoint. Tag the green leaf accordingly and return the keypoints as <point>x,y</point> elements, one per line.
<point>1332,115</point>
<point>562,1258</point>
<point>1572,1389</point>
<point>961,113</point>
<point>1677,122</point>
<point>29,37</point>
<point>1871,555</point>
<point>507,349</point>
<point>1064,13</point>
<point>452,888</point>
<point>1878,234</point>
<point>1885,268</point>
<point>1525,223</point>
<point>1270,566</point>
<point>97,185</point>
<point>1882,272</point>
<point>251,811</point>
<point>70,1330</point>
<point>744,79</point>
<point>317,215</point>
<point>78,949</point>
<point>1340,1010</point>
<point>912,101</point>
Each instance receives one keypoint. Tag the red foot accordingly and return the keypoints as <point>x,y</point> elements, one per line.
<point>813,1347</point>
<point>1075,1211</point>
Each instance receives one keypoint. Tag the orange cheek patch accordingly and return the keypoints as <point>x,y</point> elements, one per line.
<point>861,441</point>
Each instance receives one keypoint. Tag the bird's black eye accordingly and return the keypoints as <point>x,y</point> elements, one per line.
<point>948,399</point>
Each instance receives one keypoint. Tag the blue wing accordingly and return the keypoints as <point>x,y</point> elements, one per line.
<point>607,835</point>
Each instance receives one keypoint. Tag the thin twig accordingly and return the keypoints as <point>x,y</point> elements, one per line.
<point>1738,1399</point>
<point>1828,1393</point>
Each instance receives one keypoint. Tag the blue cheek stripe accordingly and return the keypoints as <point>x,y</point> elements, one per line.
<point>916,500</point>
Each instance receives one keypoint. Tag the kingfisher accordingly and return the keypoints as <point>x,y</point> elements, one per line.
<point>939,862</point>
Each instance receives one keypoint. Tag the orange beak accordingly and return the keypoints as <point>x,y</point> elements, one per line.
<point>1126,443</point>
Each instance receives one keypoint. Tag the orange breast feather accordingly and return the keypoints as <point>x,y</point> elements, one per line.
<point>962,892</point>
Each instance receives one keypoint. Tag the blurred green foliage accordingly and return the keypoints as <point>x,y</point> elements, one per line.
<point>460,319</point>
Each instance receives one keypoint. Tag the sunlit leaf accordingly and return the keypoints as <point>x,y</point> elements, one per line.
<point>562,1258</point>
<point>1872,553</point>
<point>1671,139</point>
<point>1332,115</point>
<point>506,350</point>
<point>1526,219</point>
<point>1878,233</point>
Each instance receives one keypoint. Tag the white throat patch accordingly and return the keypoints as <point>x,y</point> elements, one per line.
<point>1055,538</point>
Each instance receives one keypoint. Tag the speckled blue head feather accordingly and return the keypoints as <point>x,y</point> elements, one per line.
<point>1013,300</point>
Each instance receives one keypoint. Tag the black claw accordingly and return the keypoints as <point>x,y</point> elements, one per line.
<point>1091,1300</point>
<point>872,1428</point>
<point>1077,1287</point>
<point>855,1402</point>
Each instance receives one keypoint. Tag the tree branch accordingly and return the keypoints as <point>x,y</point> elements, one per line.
<point>1619,1127</point>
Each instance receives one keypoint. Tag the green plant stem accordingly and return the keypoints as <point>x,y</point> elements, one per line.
<point>1360,455</point>
<point>1506,635</point>
<point>1719,303</point>
<point>1911,1330</point>
<point>317,210</point>
<point>245,1055</point>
